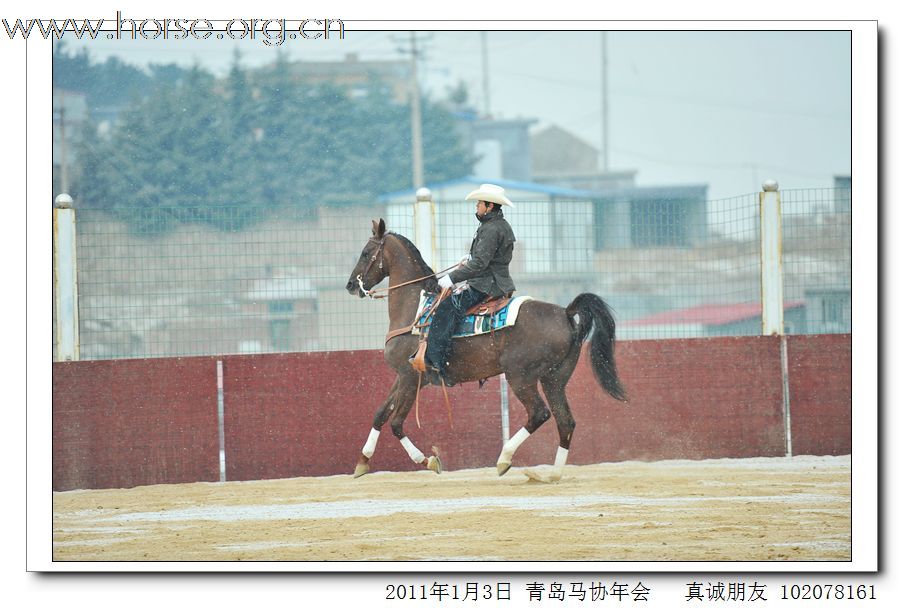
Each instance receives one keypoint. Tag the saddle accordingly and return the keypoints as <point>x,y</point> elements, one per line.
<point>489,307</point>
<point>485,317</point>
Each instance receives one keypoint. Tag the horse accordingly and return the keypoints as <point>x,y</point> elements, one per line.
<point>542,346</point>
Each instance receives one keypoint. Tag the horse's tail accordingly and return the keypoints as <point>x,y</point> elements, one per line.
<point>596,317</point>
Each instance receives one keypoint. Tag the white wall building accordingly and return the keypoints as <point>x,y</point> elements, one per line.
<point>553,225</point>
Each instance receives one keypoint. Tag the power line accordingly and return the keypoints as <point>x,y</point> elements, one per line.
<point>417,148</point>
<point>722,104</point>
<point>737,165</point>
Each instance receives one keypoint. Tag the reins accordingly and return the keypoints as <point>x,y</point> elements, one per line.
<point>379,294</point>
<point>417,416</point>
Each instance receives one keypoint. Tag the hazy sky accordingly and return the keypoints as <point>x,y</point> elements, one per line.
<point>728,109</point>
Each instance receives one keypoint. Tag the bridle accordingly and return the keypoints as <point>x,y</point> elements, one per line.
<point>373,258</point>
<point>376,294</point>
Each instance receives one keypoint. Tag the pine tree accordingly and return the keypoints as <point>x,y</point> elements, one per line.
<point>228,153</point>
<point>240,118</point>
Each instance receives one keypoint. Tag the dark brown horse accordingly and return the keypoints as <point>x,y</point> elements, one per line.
<point>543,346</point>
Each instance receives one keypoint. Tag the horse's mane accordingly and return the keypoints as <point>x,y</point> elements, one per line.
<point>424,269</point>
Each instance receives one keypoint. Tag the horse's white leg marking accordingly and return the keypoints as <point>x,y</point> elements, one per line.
<point>561,459</point>
<point>413,452</point>
<point>558,468</point>
<point>363,466</point>
<point>508,450</point>
<point>371,444</point>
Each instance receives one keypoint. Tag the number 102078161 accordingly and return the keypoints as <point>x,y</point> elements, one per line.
<point>828,591</point>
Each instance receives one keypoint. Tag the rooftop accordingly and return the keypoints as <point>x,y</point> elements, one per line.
<point>708,314</point>
<point>553,190</point>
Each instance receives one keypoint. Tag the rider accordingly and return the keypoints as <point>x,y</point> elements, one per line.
<point>486,270</point>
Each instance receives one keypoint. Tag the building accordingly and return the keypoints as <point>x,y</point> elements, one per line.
<point>661,216</point>
<point>625,215</point>
<point>556,152</point>
<point>281,311</point>
<point>560,228</point>
<point>842,194</point>
<point>561,158</point>
<point>828,310</point>
<point>708,320</point>
<point>502,146</point>
<point>354,75</point>
<point>553,225</point>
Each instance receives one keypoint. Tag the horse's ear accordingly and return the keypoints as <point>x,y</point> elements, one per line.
<point>376,227</point>
<point>382,228</point>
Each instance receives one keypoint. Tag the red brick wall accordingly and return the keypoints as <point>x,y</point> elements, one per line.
<point>819,370</point>
<point>125,423</point>
<point>689,399</point>
<point>130,422</point>
<point>310,413</point>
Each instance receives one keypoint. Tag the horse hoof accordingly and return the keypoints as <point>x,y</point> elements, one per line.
<point>534,476</point>
<point>502,468</point>
<point>361,469</point>
<point>435,463</point>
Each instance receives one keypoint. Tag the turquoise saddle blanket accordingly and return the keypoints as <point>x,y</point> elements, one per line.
<point>473,324</point>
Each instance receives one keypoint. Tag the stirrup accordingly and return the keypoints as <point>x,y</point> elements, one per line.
<point>417,360</point>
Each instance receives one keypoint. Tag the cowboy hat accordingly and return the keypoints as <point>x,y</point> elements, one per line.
<point>490,193</point>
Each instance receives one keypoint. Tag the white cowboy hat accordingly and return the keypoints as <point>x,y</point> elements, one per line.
<point>490,193</point>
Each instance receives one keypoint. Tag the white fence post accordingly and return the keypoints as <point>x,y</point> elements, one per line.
<point>65,279</point>
<point>504,406</point>
<point>425,226</point>
<point>772,293</point>
<point>221,420</point>
<point>771,260</point>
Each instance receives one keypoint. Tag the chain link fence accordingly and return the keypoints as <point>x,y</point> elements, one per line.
<point>816,230</point>
<point>274,280</point>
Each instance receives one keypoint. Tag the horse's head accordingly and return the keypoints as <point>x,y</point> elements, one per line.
<point>369,267</point>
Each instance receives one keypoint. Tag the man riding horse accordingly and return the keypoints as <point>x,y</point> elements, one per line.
<point>483,274</point>
<point>541,347</point>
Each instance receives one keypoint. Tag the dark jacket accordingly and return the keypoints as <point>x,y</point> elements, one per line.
<point>491,252</point>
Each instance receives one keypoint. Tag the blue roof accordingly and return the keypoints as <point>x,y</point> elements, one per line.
<point>552,190</point>
<point>655,191</point>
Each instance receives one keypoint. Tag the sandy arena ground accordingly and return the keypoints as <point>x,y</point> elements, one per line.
<point>795,509</point>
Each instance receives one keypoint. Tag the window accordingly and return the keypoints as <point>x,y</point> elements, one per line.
<point>280,329</point>
<point>280,337</point>
<point>280,306</point>
<point>657,223</point>
<point>832,310</point>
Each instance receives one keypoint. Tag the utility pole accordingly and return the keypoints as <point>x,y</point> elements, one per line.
<point>417,149</point>
<point>486,74</point>
<point>604,149</point>
<point>64,162</point>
